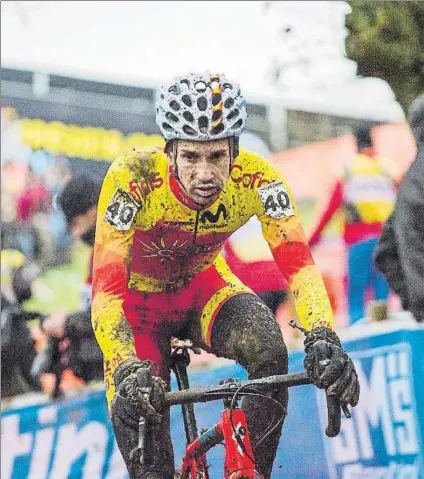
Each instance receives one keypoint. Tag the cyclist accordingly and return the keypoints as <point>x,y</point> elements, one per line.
<point>163,217</point>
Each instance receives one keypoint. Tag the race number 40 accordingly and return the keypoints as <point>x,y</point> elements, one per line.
<point>276,200</point>
<point>121,211</point>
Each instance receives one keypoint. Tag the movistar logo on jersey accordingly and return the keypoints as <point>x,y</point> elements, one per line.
<point>214,218</point>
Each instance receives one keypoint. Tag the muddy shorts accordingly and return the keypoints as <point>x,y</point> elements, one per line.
<point>156,317</point>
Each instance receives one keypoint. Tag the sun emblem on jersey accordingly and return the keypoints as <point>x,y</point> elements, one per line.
<point>162,251</point>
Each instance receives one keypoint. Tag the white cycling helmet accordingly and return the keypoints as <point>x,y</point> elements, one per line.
<point>201,107</point>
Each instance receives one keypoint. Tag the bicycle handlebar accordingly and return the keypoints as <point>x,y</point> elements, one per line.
<point>213,393</point>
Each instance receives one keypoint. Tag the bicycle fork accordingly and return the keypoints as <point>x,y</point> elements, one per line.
<point>179,365</point>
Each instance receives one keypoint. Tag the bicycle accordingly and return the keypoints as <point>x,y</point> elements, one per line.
<point>232,428</point>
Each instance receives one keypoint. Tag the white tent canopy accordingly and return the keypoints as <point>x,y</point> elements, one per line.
<point>147,42</point>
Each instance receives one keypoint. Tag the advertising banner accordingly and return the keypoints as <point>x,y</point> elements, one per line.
<point>383,439</point>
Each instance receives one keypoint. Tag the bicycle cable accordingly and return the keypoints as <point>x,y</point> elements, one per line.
<point>270,429</point>
<point>236,434</point>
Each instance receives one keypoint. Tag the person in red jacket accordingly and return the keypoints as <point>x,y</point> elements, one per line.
<point>366,195</point>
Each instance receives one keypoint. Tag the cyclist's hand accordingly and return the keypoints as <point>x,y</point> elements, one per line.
<point>129,402</point>
<point>329,367</point>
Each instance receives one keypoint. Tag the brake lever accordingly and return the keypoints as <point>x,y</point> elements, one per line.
<point>333,406</point>
<point>144,382</point>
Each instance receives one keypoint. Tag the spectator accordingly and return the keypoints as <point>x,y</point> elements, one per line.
<point>366,195</point>
<point>400,251</point>
<point>17,345</point>
<point>33,208</point>
<point>57,176</point>
<point>35,199</point>
<point>78,202</point>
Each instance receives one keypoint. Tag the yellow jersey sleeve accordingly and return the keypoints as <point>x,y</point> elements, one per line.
<point>281,227</point>
<point>112,254</point>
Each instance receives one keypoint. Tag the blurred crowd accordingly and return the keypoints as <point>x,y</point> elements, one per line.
<point>40,352</point>
<point>44,208</point>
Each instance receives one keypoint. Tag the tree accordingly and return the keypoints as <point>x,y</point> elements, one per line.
<point>386,40</point>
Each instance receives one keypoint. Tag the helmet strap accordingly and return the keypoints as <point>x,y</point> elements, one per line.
<point>233,145</point>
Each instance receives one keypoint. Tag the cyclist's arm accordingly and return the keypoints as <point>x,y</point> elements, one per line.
<point>277,211</point>
<point>112,255</point>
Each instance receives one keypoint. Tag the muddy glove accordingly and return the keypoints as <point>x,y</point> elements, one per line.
<point>329,367</point>
<point>129,402</point>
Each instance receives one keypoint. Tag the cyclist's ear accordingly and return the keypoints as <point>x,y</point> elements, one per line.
<point>171,150</point>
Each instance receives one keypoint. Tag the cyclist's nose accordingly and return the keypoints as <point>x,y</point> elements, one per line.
<point>205,172</point>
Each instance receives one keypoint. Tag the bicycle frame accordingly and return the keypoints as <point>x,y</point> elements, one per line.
<point>239,460</point>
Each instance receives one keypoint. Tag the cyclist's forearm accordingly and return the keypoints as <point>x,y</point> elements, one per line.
<point>295,261</point>
<point>311,299</point>
<point>112,330</point>
<point>113,334</point>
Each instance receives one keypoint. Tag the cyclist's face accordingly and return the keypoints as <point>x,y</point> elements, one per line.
<point>203,168</point>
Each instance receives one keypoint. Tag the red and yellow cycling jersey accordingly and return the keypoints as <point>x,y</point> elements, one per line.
<point>152,241</point>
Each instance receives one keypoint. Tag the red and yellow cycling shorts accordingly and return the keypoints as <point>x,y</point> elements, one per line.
<point>155,317</point>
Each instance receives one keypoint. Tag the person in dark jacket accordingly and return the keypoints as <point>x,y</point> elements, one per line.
<point>17,344</point>
<point>400,251</point>
<point>78,201</point>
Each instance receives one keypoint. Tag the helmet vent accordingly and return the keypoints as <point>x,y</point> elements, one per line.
<point>216,98</point>
<point>175,89</point>
<point>215,84</point>
<point>200,86</point>
<point>218,129</point>
<point>171,117</point>
<point>185,84</point>
<point>229,102</point>
<point>203,124</point>
<point>233,114</point>
<point>188,130</point>
<point>216,115</point>
<point>202,103</point>
<point>167,127</point>
<point>174,105</point>
<point>188,116</point>
<point>186,100</point>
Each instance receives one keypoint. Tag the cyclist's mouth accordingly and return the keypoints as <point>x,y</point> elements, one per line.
<point>206,191</point>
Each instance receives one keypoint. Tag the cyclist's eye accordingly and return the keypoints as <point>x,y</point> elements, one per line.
<point>217,155</point>
<point>190,156</point>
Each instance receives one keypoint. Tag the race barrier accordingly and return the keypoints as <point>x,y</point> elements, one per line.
<point>384,439</point>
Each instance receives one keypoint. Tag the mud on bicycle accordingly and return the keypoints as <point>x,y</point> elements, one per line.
<point>232,428</point>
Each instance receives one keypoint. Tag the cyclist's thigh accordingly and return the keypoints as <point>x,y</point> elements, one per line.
<point>245,330</point>
<point>215,286</point>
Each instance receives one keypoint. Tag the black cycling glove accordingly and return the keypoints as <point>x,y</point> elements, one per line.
<point>129,402</point>
<point>329,367</point>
